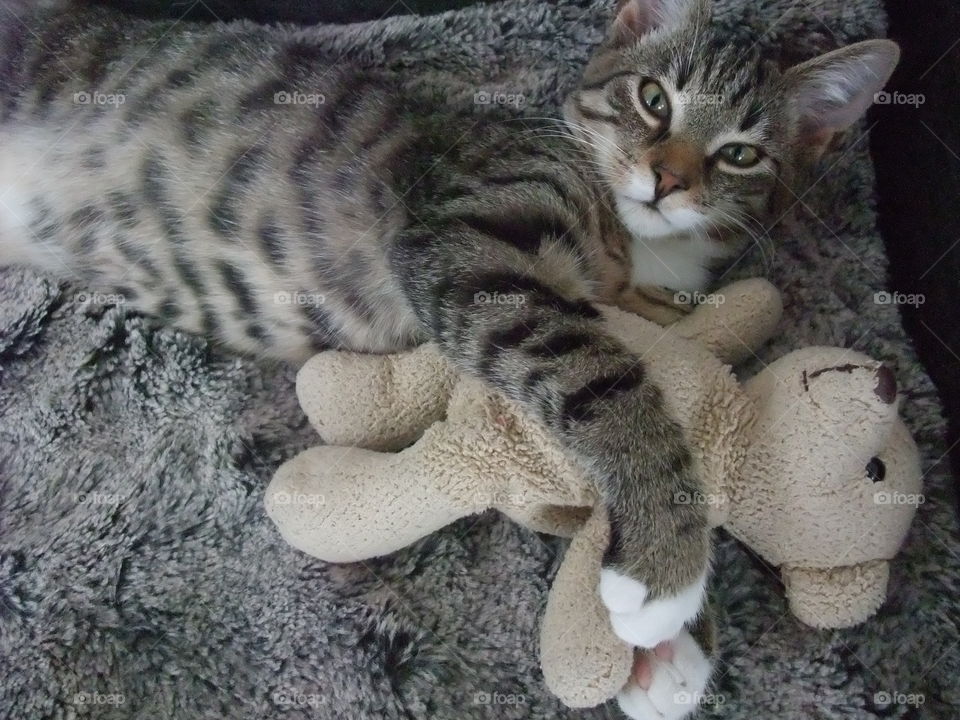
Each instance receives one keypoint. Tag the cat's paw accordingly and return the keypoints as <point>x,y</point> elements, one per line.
<point>668,682</point>
<point>643,621</point>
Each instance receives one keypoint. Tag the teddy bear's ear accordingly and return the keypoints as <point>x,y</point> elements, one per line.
<point>378,402</point>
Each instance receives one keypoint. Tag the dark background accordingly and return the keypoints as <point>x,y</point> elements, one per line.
<point>916,151</point>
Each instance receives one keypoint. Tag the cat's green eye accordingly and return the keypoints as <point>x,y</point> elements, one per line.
<point>654,99</point>
<point>740,155</point>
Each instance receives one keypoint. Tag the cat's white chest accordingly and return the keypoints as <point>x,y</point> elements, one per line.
<point>677,263</point>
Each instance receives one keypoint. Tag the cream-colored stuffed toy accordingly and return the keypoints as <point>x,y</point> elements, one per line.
<point>807,463</point>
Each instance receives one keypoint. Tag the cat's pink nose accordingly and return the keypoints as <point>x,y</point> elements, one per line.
<point>667,182</point>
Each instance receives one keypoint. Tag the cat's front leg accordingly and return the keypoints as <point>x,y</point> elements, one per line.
<point>655,569</point>
<point>551,352</point>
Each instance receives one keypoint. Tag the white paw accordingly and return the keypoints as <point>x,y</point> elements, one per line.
<point>646,623</point>
<point>668,683</point>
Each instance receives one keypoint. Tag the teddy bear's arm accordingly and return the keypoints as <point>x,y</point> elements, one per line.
<point>735,321</point>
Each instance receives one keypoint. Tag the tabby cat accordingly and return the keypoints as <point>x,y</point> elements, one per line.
<point>237,182</point>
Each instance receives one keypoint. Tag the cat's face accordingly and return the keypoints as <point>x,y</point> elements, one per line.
<point>694,134</point>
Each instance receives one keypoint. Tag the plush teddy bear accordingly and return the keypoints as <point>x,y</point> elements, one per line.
<point>807,462</point>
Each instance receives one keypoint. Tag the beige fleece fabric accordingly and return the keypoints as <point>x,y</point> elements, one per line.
<point>412,446</point>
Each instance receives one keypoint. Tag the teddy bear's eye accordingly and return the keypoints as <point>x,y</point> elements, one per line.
<point>876,470</point>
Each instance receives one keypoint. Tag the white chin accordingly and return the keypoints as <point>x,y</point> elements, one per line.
<point>643,221</point>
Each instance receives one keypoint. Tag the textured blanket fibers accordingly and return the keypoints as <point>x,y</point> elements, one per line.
<point>140,578</point>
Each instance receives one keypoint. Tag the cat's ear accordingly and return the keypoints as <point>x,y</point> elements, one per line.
<point>830,92</point>
<point>636,18</point>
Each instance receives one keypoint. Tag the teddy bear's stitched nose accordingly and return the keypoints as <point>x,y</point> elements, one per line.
<point>886,388</point>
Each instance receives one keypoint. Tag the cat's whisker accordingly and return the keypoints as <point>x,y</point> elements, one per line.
<point>739,221</point>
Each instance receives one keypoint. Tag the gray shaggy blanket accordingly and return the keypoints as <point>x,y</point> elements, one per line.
<point>140,577</point>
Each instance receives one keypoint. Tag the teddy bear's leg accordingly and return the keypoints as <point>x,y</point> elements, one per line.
<point>584,663</point>
<point>378,402</point>
<point>348,504</point>
<point>670,681</point>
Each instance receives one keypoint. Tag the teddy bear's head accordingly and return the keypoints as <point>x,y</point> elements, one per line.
<point>842,480</point>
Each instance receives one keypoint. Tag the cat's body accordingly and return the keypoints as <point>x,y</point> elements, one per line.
<point>242,185</point>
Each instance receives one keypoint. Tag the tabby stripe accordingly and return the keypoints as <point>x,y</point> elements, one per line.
<point>499,341</point>
<point>87,242</point>
<point>137,255</point>
<point>598,84</point>
<point>145,104</point>
<point>740,93</point>
<point>255,331</point>
<point>195,120</point>
<point>537,178</point>
<point>754,113</point>
<point>223,213</point>
<point>152,177</point>
<point>50,76</point>
<point>168,309</point>
<point>678,461</point>
<point>263,96</point>
<point>594,115</point>
<point>525,233</point>
<point>684,73</point>
<point>123,208</point>
<point>512,336</point>
<point>516,283</point>
<point>553,183</point>
<point>577,405</point>
<point>178,77</point>
<point>561,343</point>
<point>535,378</point>
<point>270,240</point>
<point>323,331</point>
<point>237,284</point>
